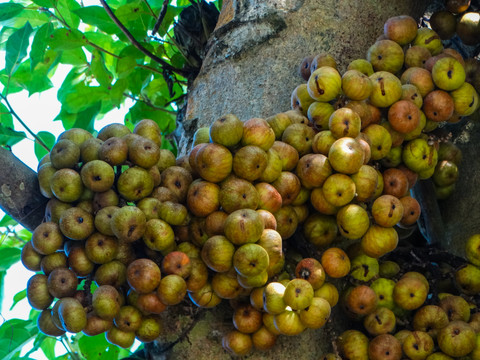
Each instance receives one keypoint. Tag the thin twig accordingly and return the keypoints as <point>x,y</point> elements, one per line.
<point>176,43</point>
<point>162,14</point>
<point>65,342</point>
<point>137,44</point>
<point>98,47</point>
<point>150,8</point>
<point>181,97</point>
<point>40,142</point>
<point>150,68</point>
<point>150,104</point>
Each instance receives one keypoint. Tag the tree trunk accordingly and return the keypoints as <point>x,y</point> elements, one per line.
<point>253,59</point>
<point>250,70</point>
<point>20,195</point>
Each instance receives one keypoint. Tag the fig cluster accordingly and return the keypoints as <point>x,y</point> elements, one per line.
<point>130,229</point>
<point>457,18</point>
<point>408,314</point>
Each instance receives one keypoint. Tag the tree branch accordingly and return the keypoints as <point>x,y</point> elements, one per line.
<point>20,195</point>
<point>137,44</point>
<point>162,14</point>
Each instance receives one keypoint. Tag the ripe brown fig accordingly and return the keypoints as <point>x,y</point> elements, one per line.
<point>384,347</point>
<point>438,106</point>
<point>335,262</point>
<point>143,275</point>
<point>404,116</point>
<point>395,183</point>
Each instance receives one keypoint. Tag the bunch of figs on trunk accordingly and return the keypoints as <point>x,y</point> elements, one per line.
<point>131,231</point>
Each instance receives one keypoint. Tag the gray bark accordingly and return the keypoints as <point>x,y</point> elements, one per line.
<point>251,67</point>
<point>20,195</point>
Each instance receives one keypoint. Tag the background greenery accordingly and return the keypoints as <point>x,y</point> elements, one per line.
<point>137,56</point>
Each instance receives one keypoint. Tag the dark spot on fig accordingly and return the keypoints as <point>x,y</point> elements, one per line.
<point>80,220</point>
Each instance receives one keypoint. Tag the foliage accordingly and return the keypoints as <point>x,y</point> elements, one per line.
<point>107,65</point>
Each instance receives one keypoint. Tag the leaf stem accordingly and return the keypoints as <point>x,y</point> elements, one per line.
<point>69,349</point>
<point>150,8</point>
<point>137,44</point>
<point>150,104</point>
<point>40,142</point>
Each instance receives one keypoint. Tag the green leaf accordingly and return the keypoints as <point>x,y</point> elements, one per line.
<point>6,118</point>
<point>117,91</point>
<point>66,118</point>
<point>156,91</point>
<point>86,118</point>
<point>136,18</point>
<point>109,44</point>
<point>9,10</point>
<point>103,76</point>
<point>178,60</point>
<point>97,16</point>
<point>12,88</point>
<point>169,145</point>
<point>140,111</point>
<point>74,57</point>
<point>125,66</point>
<point>18,297</point>
<point>97,347</point>
<point>39,44</point>
<point>8,257</point>
<point>81,97</point>
<point>65,39</point>
<point>48,346</point>
<point>36,81</point>
<point>65,9</point>
<point>30,15</point>
<point>5,33</point>
<point>7,220</point>
<point>48,139</point>
<point>138,79</point>
<point>14,334</point>
<point>2,290</point>
<point>24,234</point>
<point>16,48</point>
<point>9,137</point>
<point>45,3</point>
<point>74,77</point>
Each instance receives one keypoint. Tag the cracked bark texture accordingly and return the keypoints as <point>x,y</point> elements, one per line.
<point>251,66</point>
<point>20,195</point>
